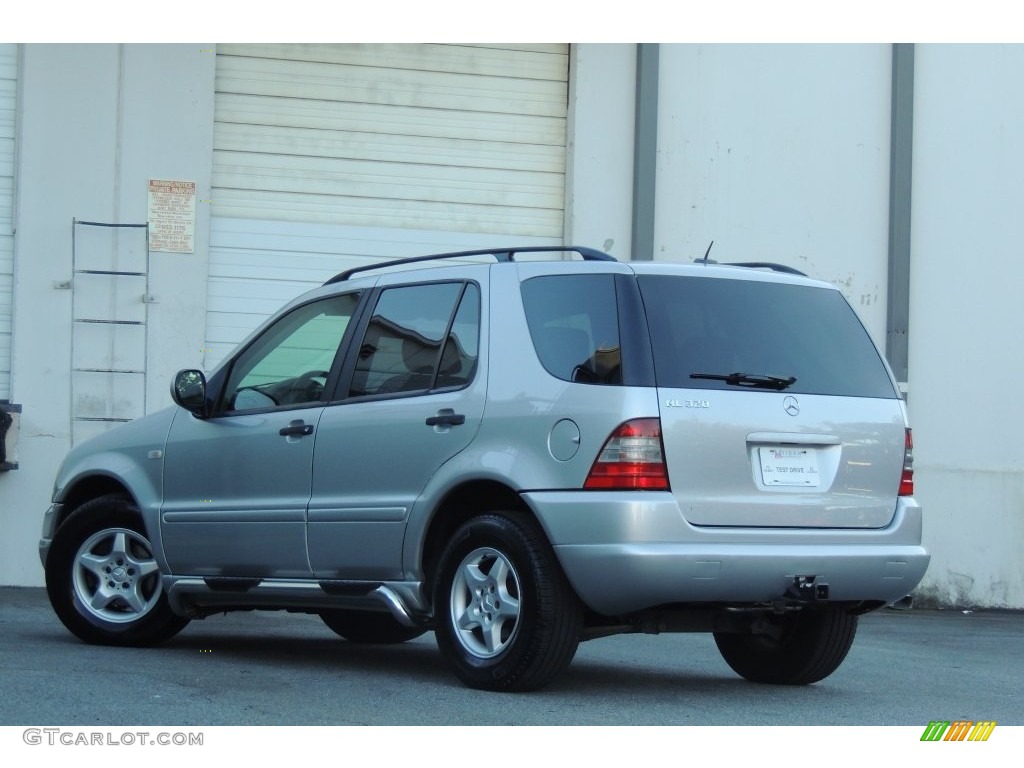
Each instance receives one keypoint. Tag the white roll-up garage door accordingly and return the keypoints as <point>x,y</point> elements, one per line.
<point>326,156</point>
<point>8,91</point>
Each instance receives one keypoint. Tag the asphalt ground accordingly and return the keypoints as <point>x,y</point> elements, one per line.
<point>274,668</point>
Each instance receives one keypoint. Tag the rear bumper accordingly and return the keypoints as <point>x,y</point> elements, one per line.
<point>625,552</point>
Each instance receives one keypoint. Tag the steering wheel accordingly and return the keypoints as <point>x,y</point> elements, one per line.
<point>307,386</point>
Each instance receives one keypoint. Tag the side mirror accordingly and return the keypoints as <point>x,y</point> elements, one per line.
<point>189,391</point>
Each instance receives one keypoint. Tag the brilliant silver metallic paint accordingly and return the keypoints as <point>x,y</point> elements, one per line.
<point>709,539</point>
<point>624,553</point>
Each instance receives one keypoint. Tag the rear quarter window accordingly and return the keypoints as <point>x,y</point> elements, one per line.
<point>724,326</point>
<point>573,322</point>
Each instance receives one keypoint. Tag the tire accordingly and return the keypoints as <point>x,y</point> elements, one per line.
<point>506,617</point>
<point>369,627</point>
<point>805,647</point>
<point>103,580</point>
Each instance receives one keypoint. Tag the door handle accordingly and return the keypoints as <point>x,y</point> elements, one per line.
<point>446,418</point>
<point>297,427</point>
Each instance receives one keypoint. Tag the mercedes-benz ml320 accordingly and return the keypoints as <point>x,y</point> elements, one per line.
<point>516,455</point>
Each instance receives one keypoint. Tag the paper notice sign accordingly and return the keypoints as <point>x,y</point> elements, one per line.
<point>172,215</point>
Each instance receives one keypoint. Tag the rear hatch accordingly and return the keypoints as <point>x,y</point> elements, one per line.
<point>776,408</point>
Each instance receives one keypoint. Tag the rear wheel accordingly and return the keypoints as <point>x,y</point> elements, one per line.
<point>798,648</point>
<point>506,617</point>
<point>369,627</point>
<point>103,579</point>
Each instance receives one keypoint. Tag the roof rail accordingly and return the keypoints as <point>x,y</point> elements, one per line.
<point>768,265</point>
<point>755,265</point>
<point>500,254</point>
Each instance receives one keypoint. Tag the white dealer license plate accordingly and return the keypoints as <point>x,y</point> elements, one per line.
<point>789,466</point>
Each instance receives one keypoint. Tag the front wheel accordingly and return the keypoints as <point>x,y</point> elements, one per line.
<point>103,580</point>
<point>798,648</point>
<point>506,617</point>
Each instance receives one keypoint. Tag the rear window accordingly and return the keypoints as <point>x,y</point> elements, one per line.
<point>720,327</point>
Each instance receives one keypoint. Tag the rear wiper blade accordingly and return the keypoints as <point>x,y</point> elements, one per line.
<point>755,380</point>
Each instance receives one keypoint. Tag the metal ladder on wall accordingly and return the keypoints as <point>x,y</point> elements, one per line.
<point>109,313</point>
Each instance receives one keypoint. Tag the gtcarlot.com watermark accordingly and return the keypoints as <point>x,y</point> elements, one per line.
<point>71,738</point>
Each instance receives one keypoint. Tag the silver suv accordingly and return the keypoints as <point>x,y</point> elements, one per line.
<point>517,455</point>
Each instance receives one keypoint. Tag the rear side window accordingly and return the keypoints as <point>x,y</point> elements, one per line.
<point>720,327</point>
<point>574,325</point>
<point>420,338</point>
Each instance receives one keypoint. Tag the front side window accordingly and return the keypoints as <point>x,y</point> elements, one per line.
<point>290,362</point>
<point>420,338</point>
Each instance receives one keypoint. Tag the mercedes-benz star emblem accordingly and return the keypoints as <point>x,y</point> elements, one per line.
<point>791,405</point>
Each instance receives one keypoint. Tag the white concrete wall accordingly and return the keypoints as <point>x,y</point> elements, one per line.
<point>599,185</point>
<point>779,153</point>
<point>95,123</point>
<point>775,152</point>
<point>967,320</point>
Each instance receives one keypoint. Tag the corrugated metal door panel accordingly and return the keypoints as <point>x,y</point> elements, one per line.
<point>455,138</point>
<point>8,101</point>
<point>385,85</point>
<point>331,156</point>
<point>258,266</point>
<point>260,111</point>
<point>390,147</point>
<point>368,212</point>
<point>542,61</point>
<point>387,181</point>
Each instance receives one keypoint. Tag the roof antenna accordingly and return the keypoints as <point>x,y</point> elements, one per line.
<point>707,252</point>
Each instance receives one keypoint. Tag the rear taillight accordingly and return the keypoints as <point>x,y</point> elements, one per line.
<point>907,478</point>
<point>633,458</point>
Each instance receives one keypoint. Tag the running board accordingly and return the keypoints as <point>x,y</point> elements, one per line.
<point>198,597</point>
